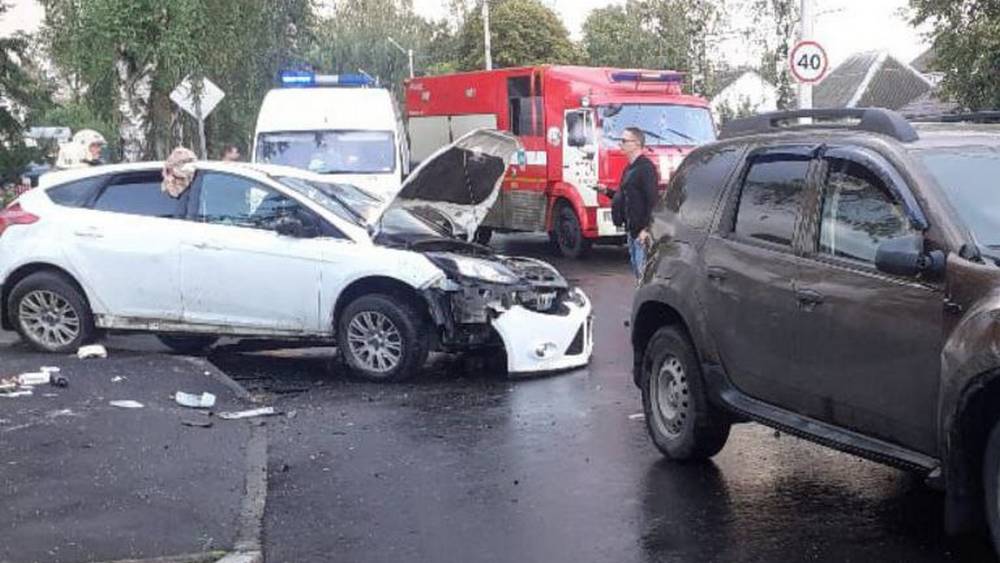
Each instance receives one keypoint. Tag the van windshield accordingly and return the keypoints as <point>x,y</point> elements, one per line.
<point>664,125</point>
<point>330,152</point>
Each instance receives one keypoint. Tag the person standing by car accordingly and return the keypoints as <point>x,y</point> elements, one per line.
<point>632,204</point>
<point>231,153</point>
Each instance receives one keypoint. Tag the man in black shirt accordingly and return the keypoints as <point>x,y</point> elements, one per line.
<point>636,197</point>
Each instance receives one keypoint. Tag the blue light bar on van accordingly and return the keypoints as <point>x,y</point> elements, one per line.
<point>635,76</point>
<point>306,79</point>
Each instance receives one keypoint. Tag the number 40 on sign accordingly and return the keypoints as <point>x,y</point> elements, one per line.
<point>808,62</point>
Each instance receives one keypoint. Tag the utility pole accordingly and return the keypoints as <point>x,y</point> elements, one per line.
<point>486,35</point>
<point>407,52</point>
<point>805,34</point>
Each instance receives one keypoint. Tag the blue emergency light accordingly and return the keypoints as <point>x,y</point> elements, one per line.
<point>636,76</point>
<point>306,79</point>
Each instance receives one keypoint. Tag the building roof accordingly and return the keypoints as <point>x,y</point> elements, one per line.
<point>924,62</point>
<point>931,103</point>
<point>870,79</point>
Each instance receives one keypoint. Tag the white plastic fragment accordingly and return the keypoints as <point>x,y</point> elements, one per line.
<point>126,404</point>
<point>34,378</point>
<point>263,411</point>
<point>27,393</point>
<point>117,379</point>
<point>636,416</point>
<point>203,401</point>
<point>49,369</point>
<point>92,351</point>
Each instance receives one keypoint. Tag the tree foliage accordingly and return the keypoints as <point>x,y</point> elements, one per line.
<point>674,34</point>
<point>20,93</point>
<point>966,43</point>
<point>522,33</point>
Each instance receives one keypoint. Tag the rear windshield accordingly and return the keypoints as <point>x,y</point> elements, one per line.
<point>330,152</point>
<point>971,179</point>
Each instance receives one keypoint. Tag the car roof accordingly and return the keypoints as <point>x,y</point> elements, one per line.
<point>58,177</point>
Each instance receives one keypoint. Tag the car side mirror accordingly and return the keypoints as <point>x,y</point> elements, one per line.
<point>905,256</point>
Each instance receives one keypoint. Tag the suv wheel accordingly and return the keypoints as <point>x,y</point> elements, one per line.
<point>50,314</point>
<point>187,343</point>
<point>680,420</point>
<point>991,484</point>
<point>567,233</point>
<point>382,339</point>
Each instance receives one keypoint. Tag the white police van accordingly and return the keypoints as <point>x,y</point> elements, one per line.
<point>336,125</point>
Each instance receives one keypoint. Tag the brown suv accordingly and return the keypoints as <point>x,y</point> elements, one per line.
<point>837,280</point>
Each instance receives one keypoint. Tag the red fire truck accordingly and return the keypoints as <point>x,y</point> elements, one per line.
<point>570,120</point>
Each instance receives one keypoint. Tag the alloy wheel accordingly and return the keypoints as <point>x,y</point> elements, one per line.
<point>375,341</point>
<point>48,318</point>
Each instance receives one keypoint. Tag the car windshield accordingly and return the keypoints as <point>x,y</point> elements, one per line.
<point>346,201</point>
<point>330,152</point>
<point>971,179</point>
<point>663,124</point>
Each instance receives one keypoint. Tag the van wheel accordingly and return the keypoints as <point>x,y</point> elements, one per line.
<point>50,314</point>
<point>187,343</point>
<point>567,233</point>
<point>382,339</point>
<point>991,484</point>
<point>679,418</point>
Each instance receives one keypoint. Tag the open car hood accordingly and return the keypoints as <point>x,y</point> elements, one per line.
<point>459,183</point>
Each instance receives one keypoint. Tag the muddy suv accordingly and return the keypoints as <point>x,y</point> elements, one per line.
<point>838,280</point>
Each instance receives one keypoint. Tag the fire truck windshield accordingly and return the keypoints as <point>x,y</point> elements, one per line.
<point>664,125</point>
<point>330,152</point>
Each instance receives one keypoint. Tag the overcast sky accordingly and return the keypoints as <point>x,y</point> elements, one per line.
<point>843,27</point>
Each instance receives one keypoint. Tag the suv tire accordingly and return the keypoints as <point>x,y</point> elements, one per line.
<point>567,234</point>
<point>50,313</point>
<point>679,418</point>
<point>991,484</point>
<point>187,343</point>
<point>382,338</point>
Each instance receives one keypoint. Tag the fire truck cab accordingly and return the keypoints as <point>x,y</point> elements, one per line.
<point>569,121</point>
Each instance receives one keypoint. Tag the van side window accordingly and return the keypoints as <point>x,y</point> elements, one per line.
<point>77,193</point>
<point>858,213</point>
<point>771,199</point>
<point>524,121</point>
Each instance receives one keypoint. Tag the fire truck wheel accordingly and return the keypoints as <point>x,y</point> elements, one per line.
<point>567,234</point>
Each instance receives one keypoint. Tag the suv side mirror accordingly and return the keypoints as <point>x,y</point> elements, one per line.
<point>905,256</point>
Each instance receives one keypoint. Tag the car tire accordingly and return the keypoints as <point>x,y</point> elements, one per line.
<point>188,344</point>
<point>50,313</point>
<point>382,338</point>
<point>567,234</point>
<point>483,236</point>
<point>680,420</point>
<point>991,484</point>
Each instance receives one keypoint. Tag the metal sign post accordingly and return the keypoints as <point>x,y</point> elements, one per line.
<point>198,106</point>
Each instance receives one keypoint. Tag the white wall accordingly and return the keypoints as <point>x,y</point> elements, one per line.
<point>762,95</point>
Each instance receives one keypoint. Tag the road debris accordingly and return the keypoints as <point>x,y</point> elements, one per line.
<point>15,394</point>
<point>59,380</point>
<point>264,411</point>
<point>118,379</point>
<point>92,351</point>
<point>197,421</point>
<point>126,404</point>
<point>636,416</point>
<point>203,401</point>
<point>34,378</point>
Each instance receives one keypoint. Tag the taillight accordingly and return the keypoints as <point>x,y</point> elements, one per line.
<point>14,215</point>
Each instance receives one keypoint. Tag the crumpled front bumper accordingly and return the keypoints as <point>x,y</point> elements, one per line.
<point>538,342</point>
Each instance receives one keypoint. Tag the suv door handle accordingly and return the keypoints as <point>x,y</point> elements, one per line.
<point>808,299</point>
<point>717,274</point>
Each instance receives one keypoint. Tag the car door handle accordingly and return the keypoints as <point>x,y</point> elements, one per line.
<point>91,232</point>
<point>206,246</point>
<point>717,274</point>
<point>808,299</point>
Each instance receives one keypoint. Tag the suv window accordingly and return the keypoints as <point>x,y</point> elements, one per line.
<point>771,199</point>
<point>858,213</point>
<point>698,184</point>
<point>232,200</point>
<point>77,193</point>
<point>138,194</point>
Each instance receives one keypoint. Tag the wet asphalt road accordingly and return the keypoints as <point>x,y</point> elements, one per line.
<point>465,465</point>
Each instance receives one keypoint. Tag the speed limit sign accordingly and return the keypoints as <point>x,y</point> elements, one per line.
<point>808,62</point>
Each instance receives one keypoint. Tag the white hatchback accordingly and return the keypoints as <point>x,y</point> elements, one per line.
<point>280,253</point>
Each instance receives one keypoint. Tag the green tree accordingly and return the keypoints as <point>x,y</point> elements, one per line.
<point>522,33</point>
<point>674,34</point>
<point>775,25</point>
<point>966,41</point>
<point>20,92</point>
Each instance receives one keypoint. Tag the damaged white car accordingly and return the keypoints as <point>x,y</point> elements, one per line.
<point>279,253</point>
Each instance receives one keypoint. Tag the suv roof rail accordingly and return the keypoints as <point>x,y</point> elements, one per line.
<point>986,116</point>
<point>874,120</point>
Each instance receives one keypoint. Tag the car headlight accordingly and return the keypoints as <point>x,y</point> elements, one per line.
<point>473,268</point>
